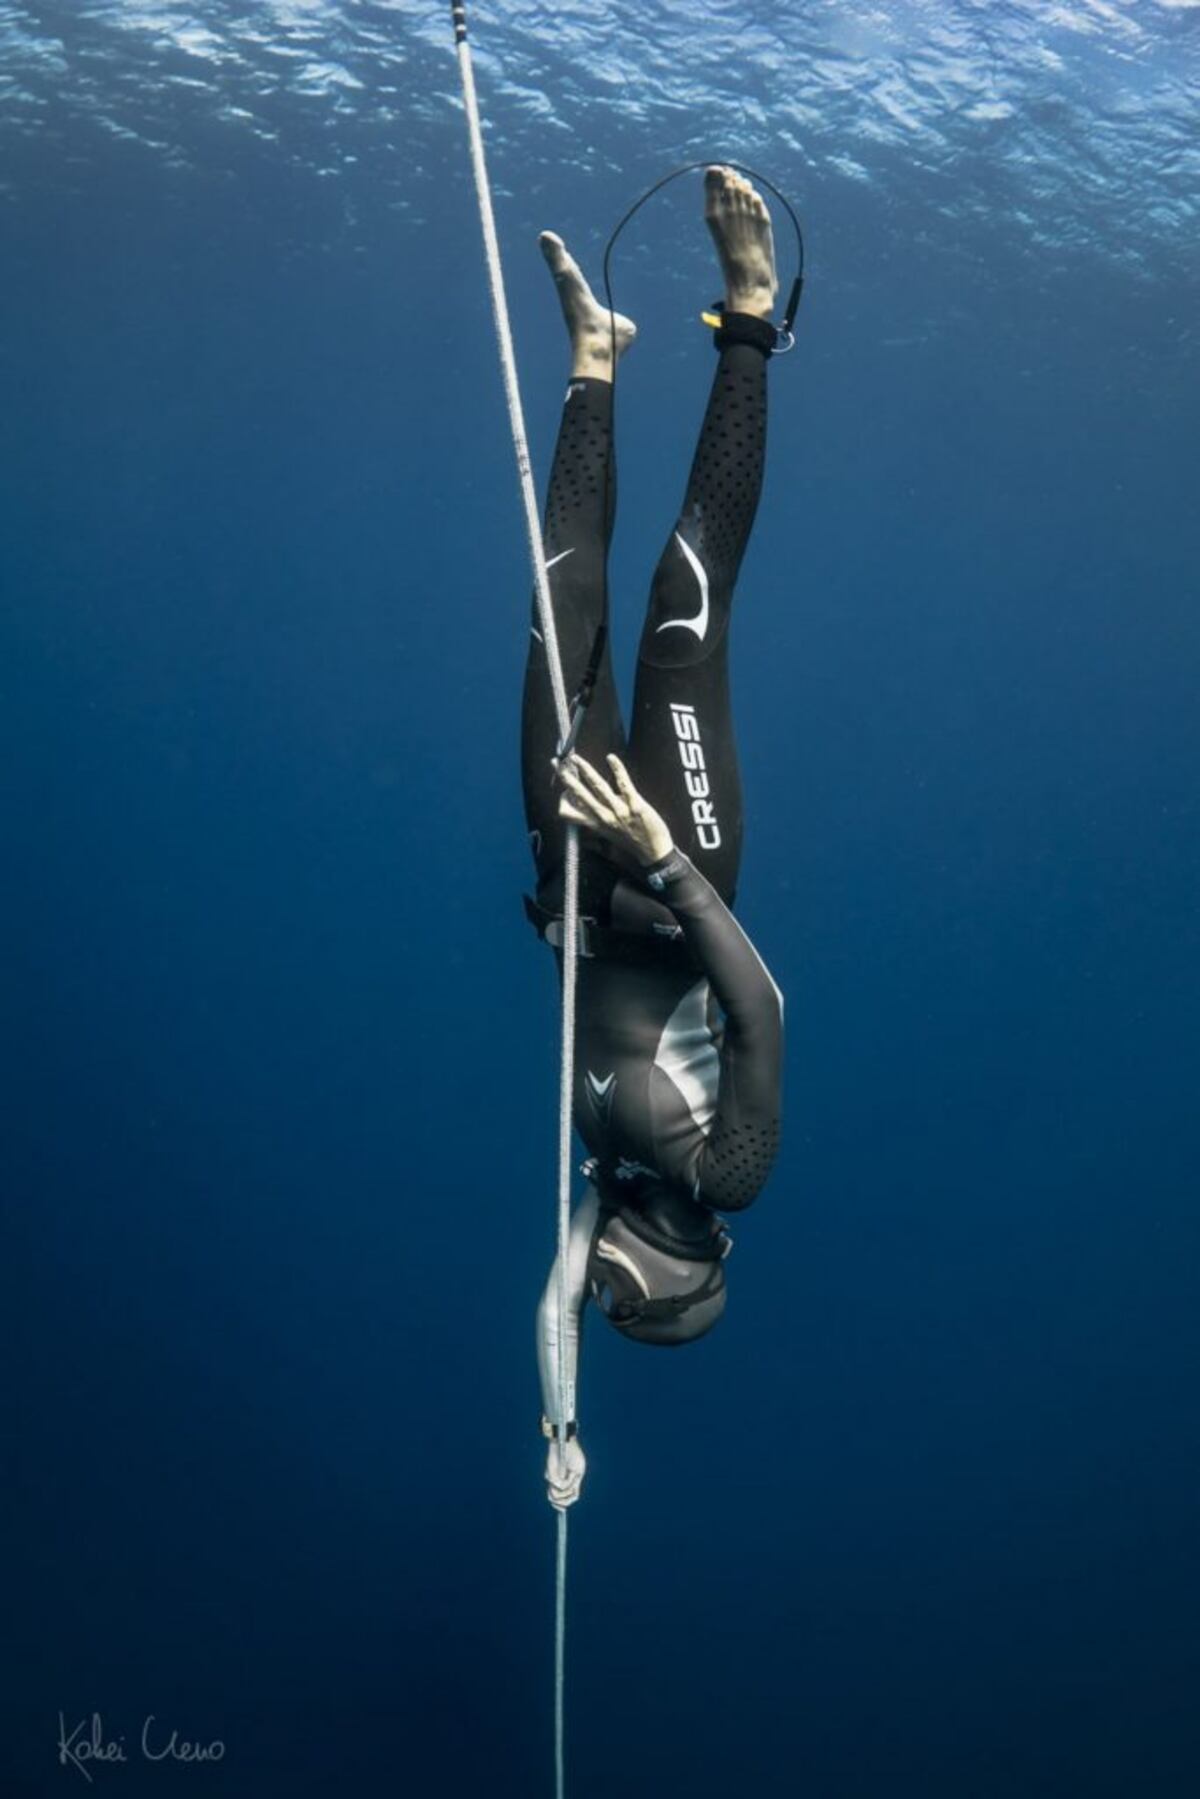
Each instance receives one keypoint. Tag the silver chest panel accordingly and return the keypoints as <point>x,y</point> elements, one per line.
<point>688,1055</point>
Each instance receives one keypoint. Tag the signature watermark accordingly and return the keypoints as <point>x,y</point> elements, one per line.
<point>85,1746</point>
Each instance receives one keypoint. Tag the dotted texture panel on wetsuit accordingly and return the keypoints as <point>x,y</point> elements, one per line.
<point>718,511</point>
<point>577,479</point>
<point>737,1161</point>
<point>727,474</point>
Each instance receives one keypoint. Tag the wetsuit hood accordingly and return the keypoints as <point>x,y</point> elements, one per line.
<point>654,1283</point>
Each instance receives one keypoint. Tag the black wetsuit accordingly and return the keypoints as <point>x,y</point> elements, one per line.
<point>679,1043</point>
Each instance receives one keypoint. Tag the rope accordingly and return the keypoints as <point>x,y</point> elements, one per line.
<point>549,632</point>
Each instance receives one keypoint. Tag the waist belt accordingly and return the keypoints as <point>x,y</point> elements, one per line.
<point>623,1195</point>
<point>662,948</point>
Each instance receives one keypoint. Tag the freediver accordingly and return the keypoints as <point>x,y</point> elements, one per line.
<point>679,1039</point>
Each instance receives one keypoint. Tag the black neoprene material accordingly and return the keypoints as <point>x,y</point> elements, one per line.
<point>636,1108</point>
<point>677,667</point>
<point>746,328</point>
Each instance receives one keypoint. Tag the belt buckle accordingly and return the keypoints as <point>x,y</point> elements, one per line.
<point>554,936</point>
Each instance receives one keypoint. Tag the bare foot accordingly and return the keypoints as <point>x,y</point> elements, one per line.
<point>589,323</point>
<point>741,229</point>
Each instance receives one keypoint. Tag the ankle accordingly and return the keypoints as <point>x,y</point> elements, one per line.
<point>591,371</point>
<point>591,358</point>
<point>759,302</point>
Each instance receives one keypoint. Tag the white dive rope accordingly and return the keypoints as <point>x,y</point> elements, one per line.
<point>571,894</point>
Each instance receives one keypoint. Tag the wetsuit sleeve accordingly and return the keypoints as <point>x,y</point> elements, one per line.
<point>735,1157</point>
<point>579,1244</point>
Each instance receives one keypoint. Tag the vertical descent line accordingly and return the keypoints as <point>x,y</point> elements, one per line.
<point>549,632</point>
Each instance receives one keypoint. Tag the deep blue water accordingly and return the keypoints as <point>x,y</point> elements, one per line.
<point>918,1521</point>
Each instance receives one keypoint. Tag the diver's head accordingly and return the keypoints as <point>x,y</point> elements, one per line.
<point>650,1291</point>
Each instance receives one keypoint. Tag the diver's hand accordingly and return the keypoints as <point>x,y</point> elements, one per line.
<point>617,813</point>
<point>566,1465</point>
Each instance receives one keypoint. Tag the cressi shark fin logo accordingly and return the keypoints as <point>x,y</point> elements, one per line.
<point>600,1094</point>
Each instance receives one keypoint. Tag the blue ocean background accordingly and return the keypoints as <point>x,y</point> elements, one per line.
<point>919,1520</point>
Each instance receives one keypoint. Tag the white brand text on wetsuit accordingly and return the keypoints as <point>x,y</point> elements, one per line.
<point>691,754</point>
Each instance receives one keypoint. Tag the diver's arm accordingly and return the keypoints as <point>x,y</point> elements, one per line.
<point>749,998</point>
<point>618,813</point>
<point>579,1243</point>
<point>565,1462</point>
<point>736,1155</point>
<point>727,1166</point>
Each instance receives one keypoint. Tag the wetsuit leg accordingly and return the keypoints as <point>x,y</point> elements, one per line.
<point>682,750</point>
<point>577,533</point>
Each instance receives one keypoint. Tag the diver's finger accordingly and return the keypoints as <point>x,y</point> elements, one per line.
<point>573,815</point>
<point>589,811</point>
<point>598,812</point>
<point>596,782</point>
<point>574,785</point>
<point>628,791</point>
